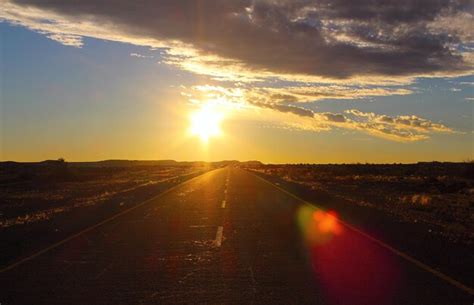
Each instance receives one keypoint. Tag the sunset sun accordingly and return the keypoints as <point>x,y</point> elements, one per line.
<point>205,122</point>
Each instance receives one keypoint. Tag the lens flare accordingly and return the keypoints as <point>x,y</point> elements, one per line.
<point>351,268</point>
<point>318,226</point>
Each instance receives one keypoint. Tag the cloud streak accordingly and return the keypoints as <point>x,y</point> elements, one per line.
<point>403,128</point>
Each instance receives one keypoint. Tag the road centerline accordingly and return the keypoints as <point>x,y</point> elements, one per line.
<point>219,235</point>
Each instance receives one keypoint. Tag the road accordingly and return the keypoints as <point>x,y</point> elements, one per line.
<point>226,237</point>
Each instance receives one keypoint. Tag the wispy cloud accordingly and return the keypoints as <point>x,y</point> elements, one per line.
<point>303,93</point>
<point>319,92</point>
<point>403,128</point>
<point>67,39</point>
<point>137,55</point>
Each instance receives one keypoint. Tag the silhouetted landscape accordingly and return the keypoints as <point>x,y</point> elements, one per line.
<point>418,208</point>
<point>37,196</point>
<point>45,201</point>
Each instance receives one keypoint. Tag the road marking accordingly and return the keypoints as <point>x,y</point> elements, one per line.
<point>254,283</point>
<point>28,258</point>
<point>223,204</point>
<point>218,241</point>
<point>200,226</point>
<point>225,192</point>
<point>403,255</point>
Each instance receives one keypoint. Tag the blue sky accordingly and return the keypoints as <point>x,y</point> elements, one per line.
<point>106,99</point>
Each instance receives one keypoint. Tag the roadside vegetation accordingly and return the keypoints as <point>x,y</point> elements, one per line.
<point>440,194</point>
<point>40,191</point>
<point>42,203</point>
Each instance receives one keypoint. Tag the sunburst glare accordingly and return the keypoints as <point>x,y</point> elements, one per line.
<point>205,122</point>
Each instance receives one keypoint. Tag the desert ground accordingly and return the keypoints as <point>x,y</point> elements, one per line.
<point>167,232</point>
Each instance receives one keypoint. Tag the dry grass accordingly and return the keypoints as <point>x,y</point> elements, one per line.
<point>38,194</point>
<point>440,194</point>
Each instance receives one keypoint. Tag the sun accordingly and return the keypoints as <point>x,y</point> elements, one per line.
<point>205,122</point>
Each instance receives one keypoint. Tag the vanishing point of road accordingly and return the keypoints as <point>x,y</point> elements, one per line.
<point>225,237</point>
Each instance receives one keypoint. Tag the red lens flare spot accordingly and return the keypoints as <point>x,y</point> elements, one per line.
<point>327,222</point>
<point>351,268</point>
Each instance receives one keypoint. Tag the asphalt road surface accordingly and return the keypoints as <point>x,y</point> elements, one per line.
<point>226,237</point>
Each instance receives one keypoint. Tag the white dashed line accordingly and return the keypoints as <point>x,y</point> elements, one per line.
<point>223,204</point>
<point>219,234</point>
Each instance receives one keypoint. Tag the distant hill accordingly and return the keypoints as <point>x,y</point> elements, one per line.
<point>124,163</point>
<point>128,163</point>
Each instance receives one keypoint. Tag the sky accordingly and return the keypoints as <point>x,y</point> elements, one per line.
<point>282,81</point>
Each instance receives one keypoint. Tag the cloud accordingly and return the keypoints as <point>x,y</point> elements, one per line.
<point>285,108</point>
<point>329,39</point>
<point>461,23</point>
<point>410,122</point>
<point>403,128</point>
<point>140,55</point>
<point>333,117</point>
<point>67,40</point>
<point>310,50</point>
<point>302,93</point>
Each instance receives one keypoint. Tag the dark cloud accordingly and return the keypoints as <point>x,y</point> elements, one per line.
<point>334,117</point>
<point>285,108</point>
<point>389,11</point>
<point>335,39</point>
